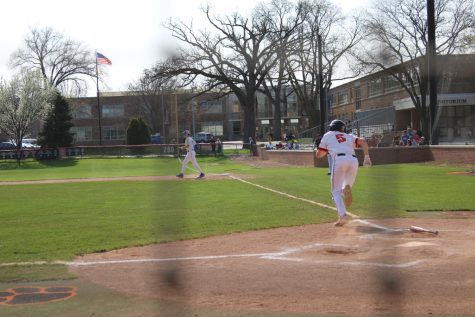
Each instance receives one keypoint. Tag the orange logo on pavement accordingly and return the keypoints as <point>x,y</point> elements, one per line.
<point>36,295</point>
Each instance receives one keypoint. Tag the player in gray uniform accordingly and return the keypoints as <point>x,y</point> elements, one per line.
<point>190,155</point>
<point>341,148</point>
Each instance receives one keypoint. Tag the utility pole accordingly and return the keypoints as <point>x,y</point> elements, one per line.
<point>163,113</point>
<point>193,110</point>
<point>176,117</point>
<point>321,90</point>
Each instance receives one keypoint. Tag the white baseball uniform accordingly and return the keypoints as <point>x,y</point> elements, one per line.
<point>341,147</point>
<point>190,155</point>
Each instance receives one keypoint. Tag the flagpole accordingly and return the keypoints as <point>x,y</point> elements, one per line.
<point>98,101</point>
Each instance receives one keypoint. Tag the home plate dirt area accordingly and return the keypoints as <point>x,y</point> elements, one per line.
<point>370,267</point>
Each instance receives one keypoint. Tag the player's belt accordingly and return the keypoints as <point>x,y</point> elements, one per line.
<point>343,154</point>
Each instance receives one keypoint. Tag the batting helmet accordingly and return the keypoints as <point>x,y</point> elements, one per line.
<point>186,132</point>
<point>336,125</point>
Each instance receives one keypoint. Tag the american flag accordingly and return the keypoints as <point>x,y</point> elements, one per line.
<point>101,59</point>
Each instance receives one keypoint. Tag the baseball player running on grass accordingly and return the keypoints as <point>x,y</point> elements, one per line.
<point>190,155</point>
<point>341,147</point>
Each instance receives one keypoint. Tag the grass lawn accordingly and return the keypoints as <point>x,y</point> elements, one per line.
<point>58,221</point>
<point>100,167</point>
<point>89,217</point>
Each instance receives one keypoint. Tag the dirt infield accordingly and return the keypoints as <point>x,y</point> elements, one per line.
<point>111,179</point>
<point>364,268</point>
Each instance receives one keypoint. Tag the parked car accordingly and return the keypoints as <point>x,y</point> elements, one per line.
<point>32,142</point>
<point>203,137</point>
<point>7,146</point>
<point>156,139</point>
<point>28,144</point>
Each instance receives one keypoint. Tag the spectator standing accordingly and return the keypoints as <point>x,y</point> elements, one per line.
<point>251,145</point>
<point>404,138</point>
<point>212,141</point>
<point>220,145</point>
<point>316,141</point>
<point>290,141</point>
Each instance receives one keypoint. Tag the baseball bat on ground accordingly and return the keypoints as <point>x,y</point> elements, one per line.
<point>422,230</point>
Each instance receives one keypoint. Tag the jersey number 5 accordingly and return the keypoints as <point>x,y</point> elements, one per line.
<point>340,138</point>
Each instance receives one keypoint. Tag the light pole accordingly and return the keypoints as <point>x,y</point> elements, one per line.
<point>193,110</point>
<point>432,70</point>
<point>176,118</point>
<point>163,113</point>
<point>321,90</point>
<point>193,114</point>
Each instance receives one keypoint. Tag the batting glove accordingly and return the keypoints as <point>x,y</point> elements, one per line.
<point>367,161</point>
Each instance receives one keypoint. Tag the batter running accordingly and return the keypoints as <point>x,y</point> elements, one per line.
<point>190,155</point>
<point>341,148</point>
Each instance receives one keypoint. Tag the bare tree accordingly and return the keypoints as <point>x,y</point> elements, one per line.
<point>149,89</point>
<point>237,57</point>
<point>65,63</point>
<point>282,16</point>
<point>23,100</point>
<point>339,35</point>
<point>397,35</point>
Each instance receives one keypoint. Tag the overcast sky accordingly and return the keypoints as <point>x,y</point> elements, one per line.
<point>129,33</point>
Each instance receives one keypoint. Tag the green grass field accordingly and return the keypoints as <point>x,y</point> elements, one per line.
<point>49,222</point>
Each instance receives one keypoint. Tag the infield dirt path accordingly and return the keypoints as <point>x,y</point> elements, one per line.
<point>110,179</point>
<point>355,270</point>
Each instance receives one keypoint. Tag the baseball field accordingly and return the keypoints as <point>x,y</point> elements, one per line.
<point>125,237</point>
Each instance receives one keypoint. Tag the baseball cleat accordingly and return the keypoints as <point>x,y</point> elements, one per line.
<point>347,196</point>
<point>180,175</point>
<point>341,222</point>
<point>201,176</point>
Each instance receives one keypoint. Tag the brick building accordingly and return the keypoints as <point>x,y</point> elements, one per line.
<point>379,103</point>
<point>223,117</point>
<point>167,114</point>
<point>375,103</point>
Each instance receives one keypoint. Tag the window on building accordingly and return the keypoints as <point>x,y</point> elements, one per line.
<point>82,133</point>
<point>112,111</point>
<point>410,75</point>
<point>211,106</point>
<point>236,127</point>
<point>343,97</point>
<point>261,100</point>
<point>374,87</point>
<point>262,107</point>
<point>81,112</point>
<point>456,121</point>
<point>215,128</point>
<point>235,110</point>
<point>468,116</point>
<point>357,91</point>
<point>390,83</point>
<point>292,109</point>
<point>113,133</point>
<point>330,101</point>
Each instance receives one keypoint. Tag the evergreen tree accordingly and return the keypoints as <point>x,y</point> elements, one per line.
<point>56,128</point>
<point>138,132</point>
